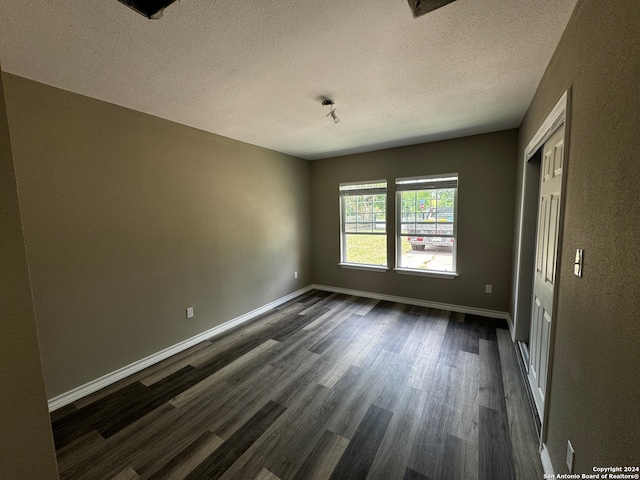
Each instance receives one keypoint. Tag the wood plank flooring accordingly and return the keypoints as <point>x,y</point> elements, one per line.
<point>326,386</point>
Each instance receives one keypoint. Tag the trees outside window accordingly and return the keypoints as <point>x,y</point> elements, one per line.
<point>426,223</point>
<point>363,239</point>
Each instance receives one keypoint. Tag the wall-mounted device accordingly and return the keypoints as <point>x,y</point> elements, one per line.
<point>577,264</point>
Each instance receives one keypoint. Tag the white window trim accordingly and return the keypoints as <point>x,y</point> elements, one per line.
<point>346,193</point>
<point>427,273</point>
<point>417,271</point>
<point>364,266</point>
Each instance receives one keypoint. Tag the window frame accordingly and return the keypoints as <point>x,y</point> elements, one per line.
<point>430,183</point>
<point>350,192</point>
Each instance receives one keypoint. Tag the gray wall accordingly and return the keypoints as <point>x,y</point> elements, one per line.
<point>595,384</point>
<point>486,165</point>
<point>129,219</point>
<point>26,442</point>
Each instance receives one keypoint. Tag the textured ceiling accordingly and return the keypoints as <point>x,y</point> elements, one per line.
<point>259,74</point>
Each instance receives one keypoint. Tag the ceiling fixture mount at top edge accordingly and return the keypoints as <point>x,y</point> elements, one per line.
<point>421,7</point>
<point>149,8</point>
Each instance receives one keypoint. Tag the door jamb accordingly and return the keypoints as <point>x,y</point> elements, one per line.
<point>559,114</point>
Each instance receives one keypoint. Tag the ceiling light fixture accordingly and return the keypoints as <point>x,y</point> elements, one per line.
<point>332,110</point>
<point>421,7</point>
<point>152,9</point>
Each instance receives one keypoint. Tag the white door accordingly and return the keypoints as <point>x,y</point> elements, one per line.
<point>545,265</point>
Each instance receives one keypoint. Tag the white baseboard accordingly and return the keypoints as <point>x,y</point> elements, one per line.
<point>110,378</point>
<point>547,466</point>
<point>512,331</point>
<point>420,303</point>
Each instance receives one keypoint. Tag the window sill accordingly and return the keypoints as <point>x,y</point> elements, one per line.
<point>369,268</point>
<point>426,273</point>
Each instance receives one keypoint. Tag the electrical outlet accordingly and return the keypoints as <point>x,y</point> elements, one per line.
<point>295,274</point>
<point>570,454</point>
<point>488,288</point>
<point>189,312</point>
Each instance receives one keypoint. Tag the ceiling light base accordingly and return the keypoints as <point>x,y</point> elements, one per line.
<point>420,7</point>
<point>148,8</point>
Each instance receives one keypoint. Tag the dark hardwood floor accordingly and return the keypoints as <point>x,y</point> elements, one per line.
<point>324,387</point>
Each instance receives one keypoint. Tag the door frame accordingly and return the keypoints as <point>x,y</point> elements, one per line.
<point>525,247</point>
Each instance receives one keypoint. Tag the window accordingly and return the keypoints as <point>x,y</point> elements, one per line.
<point>426,223</point>
<point>363,214</point>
